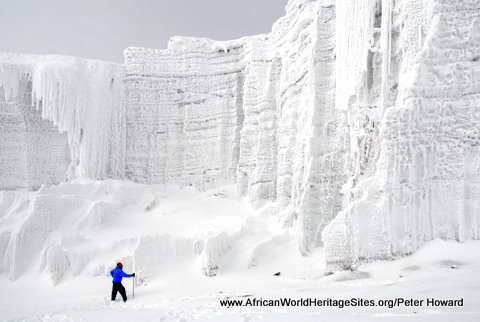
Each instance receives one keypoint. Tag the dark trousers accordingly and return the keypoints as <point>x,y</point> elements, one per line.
<point>118,287</point>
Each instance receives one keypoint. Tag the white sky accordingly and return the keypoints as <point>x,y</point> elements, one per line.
<point>102,29</point>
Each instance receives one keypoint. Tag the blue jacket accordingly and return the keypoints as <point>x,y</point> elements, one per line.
<point>117,274</point>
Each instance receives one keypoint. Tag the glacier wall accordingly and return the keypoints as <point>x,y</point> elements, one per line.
<point>83,99</point>
<point>356,123</point>
<point>32,151</point>
<point>184,110</point>
<point>418,175</point>
<point>250,111</point>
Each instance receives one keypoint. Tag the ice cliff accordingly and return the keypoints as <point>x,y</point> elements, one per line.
<point>357,123</point>
<point>83,100</point>
<point>414,142</point>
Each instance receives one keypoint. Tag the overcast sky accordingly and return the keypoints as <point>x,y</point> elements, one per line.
<point>101,29</point>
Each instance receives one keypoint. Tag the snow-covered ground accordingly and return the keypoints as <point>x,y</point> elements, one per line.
<point>212,233</point>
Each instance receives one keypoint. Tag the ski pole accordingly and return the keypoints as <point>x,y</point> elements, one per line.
<point>133,287</point>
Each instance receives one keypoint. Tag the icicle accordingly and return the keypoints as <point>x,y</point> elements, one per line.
<point>386,44</point>
<point>79,97</point>
<point>354,25</point>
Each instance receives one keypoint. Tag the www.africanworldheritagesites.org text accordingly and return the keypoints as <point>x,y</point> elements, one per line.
<point>353,302</point>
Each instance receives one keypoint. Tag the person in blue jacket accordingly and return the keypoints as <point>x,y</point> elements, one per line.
<point>117,274</point>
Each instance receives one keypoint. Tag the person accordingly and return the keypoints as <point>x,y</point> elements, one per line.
<point>117,274</point>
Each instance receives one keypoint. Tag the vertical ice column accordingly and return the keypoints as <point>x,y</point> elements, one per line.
<point>321,198</point>
<point>354,39</point>
<point>257,170</point>
<point>386,47</point>
<point>85,99</point>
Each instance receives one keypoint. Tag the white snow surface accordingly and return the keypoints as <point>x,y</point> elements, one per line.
<point>352,125</point>
<point>71,235</point>
<point>84,226</point>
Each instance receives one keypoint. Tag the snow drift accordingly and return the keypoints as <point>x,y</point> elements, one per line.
<point>355,123</point>
<point>85,226</point>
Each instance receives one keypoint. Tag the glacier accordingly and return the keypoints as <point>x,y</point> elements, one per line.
<point>84,100</point>
<point>355,123</point>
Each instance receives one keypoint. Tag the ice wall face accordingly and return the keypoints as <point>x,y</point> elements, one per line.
<point>32,151</point>
<point>424,183</point>
<point>306,144</point>
<point>258,111</point>
<point>184,113</point>
<point>83,99</point>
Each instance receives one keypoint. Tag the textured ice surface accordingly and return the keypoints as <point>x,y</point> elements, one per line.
<point>84,99</point>
<point>417,169</point>
<point>355,122</point>
<point>258,111</point>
